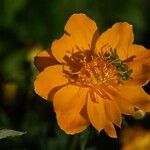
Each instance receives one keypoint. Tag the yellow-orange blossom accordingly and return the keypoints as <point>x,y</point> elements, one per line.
<point>92,78</point>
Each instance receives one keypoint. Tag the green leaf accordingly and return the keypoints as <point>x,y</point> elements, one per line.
<point>4,133</point>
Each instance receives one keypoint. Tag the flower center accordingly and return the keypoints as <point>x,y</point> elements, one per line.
<point>87,70</point>
<point>97,72</point>
<point>102,73</point>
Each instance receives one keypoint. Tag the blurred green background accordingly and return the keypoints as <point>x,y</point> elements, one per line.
<point>27,26</point>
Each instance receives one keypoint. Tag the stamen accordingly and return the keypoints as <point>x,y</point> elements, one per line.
<point>96,73</point>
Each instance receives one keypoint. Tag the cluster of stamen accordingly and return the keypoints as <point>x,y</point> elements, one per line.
<point>96,73</point>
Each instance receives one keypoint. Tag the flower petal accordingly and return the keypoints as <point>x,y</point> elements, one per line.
<point>82,30</point>
<point>50,78</point>
<point>110,130</point>
<point>62,46</point>
<point>140,65</point>
<point>140,75</point>
<point>70,98</point>
<point>119,37</point>
<point>141,53</point>
<point>96,112</point>
<point>44,59</point>
<point>72,123</point>
<point>125,107</point>
<point>113,112</point>
<point>69,104</point>
<point>136,96</point>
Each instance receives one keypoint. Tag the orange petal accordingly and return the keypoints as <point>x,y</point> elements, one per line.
<point>69,103</point>
<point>71,98</point>
<point>136,96</point>
<point>72,123</point>
<point>140,75</point>
<point>50,78</point>
<point>62,47</point>
<point>110,130</point>
<point>96,112</point>
<point>82,30</point>
<point>142,55</point>
<point>125,107</point>
<point>140,65</point>
<point>113,112</point>
<point>119,37</point>
<point>44,59</point>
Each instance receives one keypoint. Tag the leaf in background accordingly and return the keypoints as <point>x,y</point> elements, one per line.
<point>4,133</point>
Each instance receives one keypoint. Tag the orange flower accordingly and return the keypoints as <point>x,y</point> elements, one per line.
<point>135,138</point>
<point>93,79</point>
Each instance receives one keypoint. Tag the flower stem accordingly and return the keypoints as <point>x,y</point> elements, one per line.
<point>75,142</point>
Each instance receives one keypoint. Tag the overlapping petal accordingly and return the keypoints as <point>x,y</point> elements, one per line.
<point>118,102</point>
<point>82,30</point>
<point>76,98</point>
<point>113,112</point>
<point>100,117</point>
<point>50,78</point>
<point>140,65</point>
<point>63,46</point>
<point>72,123</point>
<point>96,112</point>
<point>70,110</point>
<point>124,105</point>
<point>80,35</point>
<point>140,75</point>
<point>110,129</point>
<point>140,53</point>
<point>136,96</point>
<point>119,37</point>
